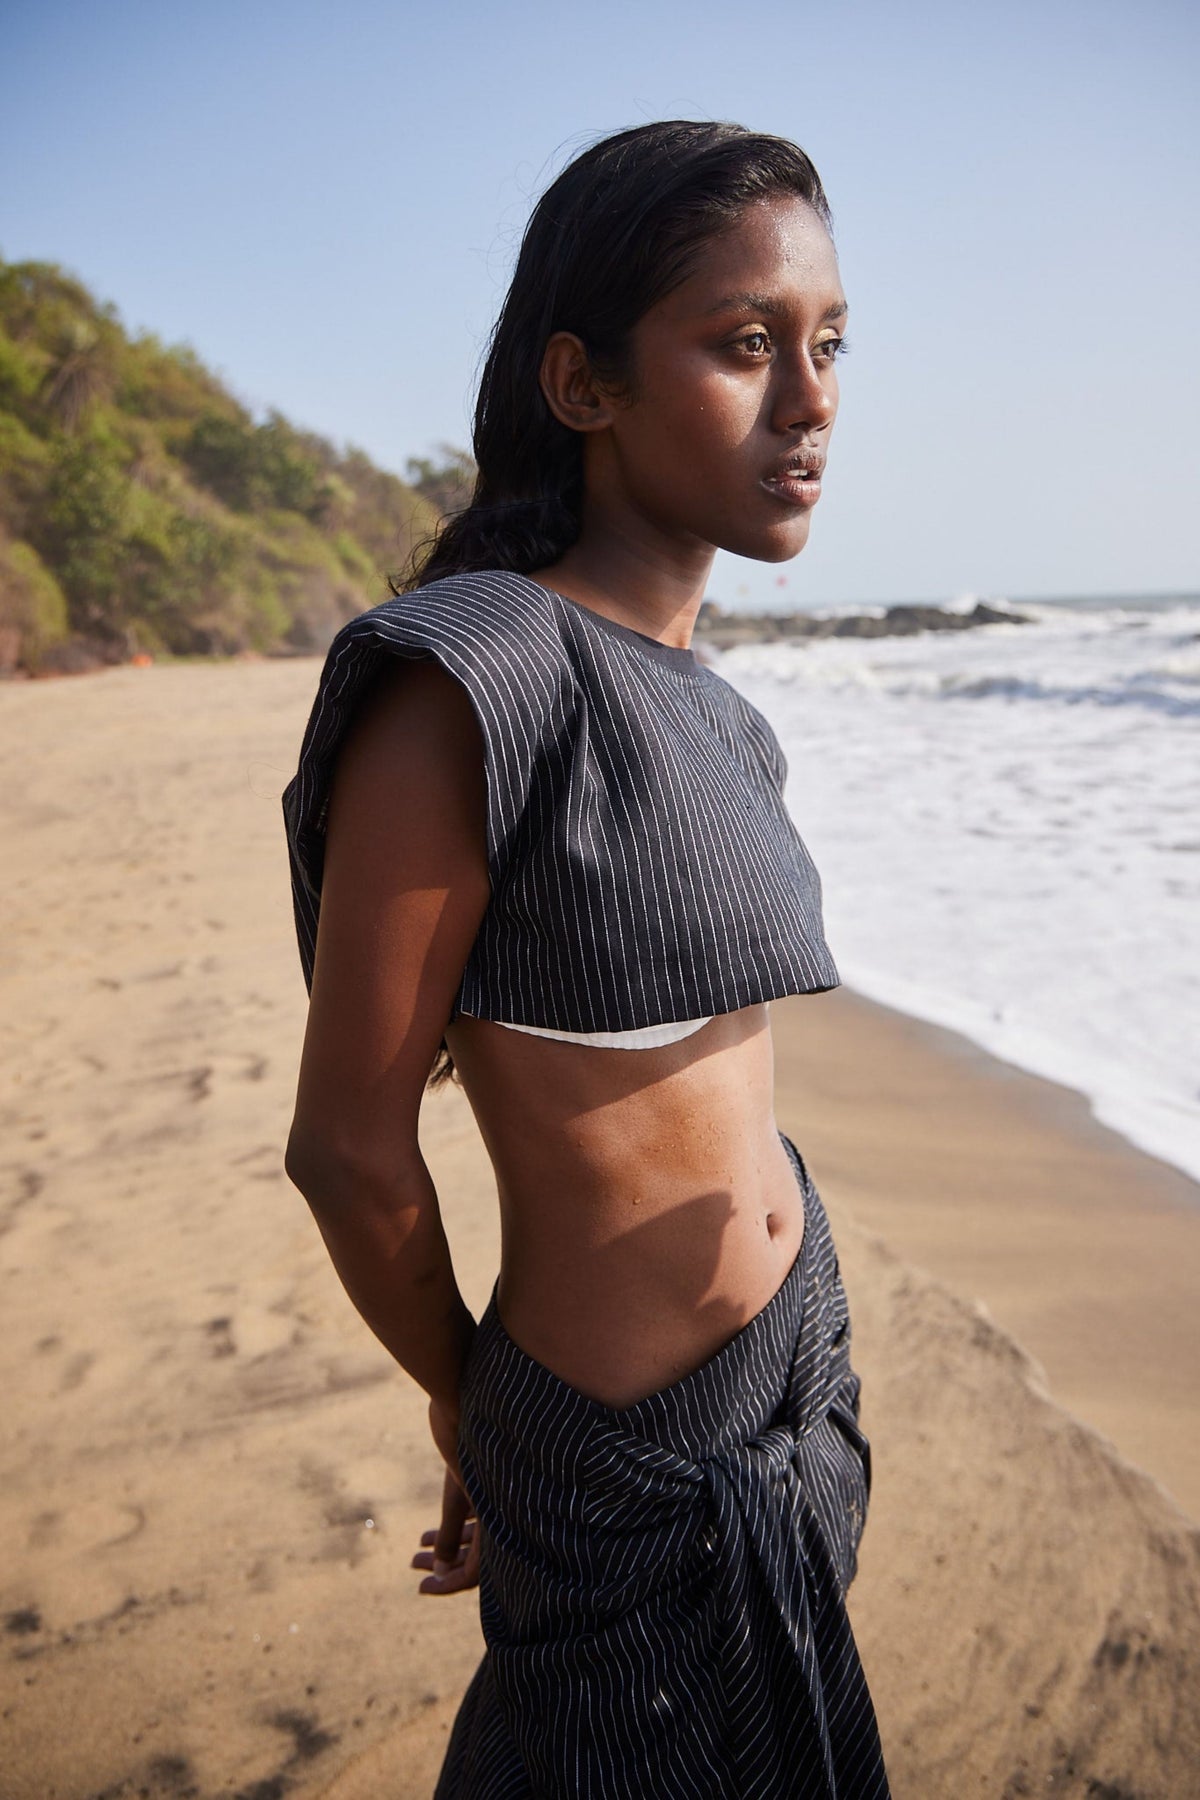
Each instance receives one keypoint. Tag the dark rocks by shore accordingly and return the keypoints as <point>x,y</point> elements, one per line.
<point>724,630</point>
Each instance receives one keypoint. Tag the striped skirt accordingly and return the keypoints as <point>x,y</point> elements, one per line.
<point>662,1588</point>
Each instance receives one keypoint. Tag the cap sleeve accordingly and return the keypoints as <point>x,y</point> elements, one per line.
<point>497,636</point>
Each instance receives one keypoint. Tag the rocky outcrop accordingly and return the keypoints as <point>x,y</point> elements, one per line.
<point>725,630</point>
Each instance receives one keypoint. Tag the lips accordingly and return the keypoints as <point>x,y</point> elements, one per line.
<point>796,479</point>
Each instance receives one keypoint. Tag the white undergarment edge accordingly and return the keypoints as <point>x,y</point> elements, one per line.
<point>642,1037</point>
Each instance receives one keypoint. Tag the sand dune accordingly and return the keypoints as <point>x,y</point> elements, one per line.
<point>1029,1603</point>
<point>213,1479</point>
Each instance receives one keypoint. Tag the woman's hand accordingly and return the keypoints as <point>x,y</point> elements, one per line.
<point>452,1553</point>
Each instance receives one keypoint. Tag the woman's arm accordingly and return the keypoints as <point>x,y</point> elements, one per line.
<point>404,890</point>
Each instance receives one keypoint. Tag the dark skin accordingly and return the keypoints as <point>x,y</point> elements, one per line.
<point>648,1209</point>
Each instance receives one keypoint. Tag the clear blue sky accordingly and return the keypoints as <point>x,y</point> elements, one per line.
<point>325,200</point>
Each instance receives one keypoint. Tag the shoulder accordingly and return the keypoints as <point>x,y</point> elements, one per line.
<point>487,613</point>
<point>496,633</point>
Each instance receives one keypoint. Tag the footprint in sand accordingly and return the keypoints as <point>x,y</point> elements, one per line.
<point>27,1186</point>
<point>75,1372</point>
<point>350,1523</point>
<point>88,1526</point>
<point>45,1529</point>
<point>268,1161</point>
<point>199,1083</point>
<point>23,1622</point>
<point>220,1337</point>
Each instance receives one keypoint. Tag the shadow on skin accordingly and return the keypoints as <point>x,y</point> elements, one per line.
<point>581,1350</point>
<point>570,1079</point>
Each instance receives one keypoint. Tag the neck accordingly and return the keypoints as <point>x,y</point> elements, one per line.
<point>637,583</point>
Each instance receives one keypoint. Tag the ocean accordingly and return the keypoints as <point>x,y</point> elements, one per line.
<point>1007,825</point>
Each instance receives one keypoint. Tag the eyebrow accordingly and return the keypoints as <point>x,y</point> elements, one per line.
<point>763,303</point>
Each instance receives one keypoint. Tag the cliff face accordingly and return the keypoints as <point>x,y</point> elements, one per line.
<point>143,510</point>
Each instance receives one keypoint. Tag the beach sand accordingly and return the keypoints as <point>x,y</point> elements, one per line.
<point>214,1479</point>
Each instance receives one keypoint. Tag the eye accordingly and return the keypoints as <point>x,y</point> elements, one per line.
<point>830,348</point>
<point>756,343</point>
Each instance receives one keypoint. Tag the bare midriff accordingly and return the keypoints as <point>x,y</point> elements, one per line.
<point>648,1206</point>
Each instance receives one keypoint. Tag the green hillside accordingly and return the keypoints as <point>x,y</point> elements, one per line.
<point>143,510</point>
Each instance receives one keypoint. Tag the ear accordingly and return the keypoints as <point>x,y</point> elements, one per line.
<point>572,392</point>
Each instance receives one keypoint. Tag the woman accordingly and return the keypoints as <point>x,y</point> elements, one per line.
<point>542,840</point>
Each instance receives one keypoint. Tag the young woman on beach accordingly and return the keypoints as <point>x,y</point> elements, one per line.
<point>543,840</point>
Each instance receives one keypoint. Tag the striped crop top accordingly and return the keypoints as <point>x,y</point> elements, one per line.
<point>644,869</point>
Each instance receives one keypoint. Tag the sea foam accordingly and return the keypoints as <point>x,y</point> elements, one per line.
<point>1007,825</point>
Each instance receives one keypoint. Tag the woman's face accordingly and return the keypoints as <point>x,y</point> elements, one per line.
<point>734,391</point>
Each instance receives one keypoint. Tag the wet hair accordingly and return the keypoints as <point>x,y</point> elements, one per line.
<point>610,237</point>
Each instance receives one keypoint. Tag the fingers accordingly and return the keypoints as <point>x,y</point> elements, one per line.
<point>451,1553</point>
<point>468,1532</point>
<point>453,1575</point>
<point>455,1580</point>
<point>456,1509</point>
<point>471,1559</point>
<point>424,1558</point>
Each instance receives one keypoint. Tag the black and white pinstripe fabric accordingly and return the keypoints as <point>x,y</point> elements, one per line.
<point>643,865</point>
<point>663,1587</point>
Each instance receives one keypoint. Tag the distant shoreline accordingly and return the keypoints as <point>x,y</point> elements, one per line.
<point>717,628</point>
<point>727,630</point>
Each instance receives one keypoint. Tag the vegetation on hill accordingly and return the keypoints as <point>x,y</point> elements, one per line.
<point>144,510</point>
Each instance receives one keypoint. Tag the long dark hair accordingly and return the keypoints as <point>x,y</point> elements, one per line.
<point>609,238</point>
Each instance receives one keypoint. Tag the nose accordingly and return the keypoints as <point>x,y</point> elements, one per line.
<point>806,394</point>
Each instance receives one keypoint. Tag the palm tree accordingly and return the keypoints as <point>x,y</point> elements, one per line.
<point>80,375</point>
